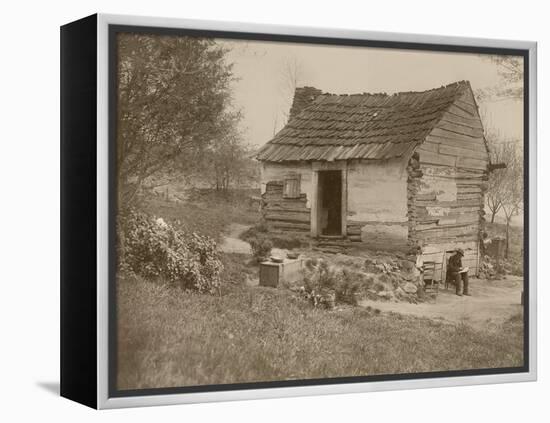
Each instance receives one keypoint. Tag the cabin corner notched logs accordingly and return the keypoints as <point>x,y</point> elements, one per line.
<point>447,202</point>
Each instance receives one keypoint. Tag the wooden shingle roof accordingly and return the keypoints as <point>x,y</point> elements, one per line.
<point>361,126</point>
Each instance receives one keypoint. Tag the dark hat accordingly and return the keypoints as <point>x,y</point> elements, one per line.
<point>460,251</point>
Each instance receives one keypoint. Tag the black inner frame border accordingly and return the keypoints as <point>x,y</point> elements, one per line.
<point>114,29</point>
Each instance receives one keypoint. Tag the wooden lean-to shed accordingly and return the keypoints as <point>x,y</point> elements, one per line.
<point>385,171</point>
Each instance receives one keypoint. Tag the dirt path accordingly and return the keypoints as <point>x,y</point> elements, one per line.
<point>231,242</point>
<point>491,303</point>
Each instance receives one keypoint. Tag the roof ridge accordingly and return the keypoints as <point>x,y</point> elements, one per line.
<point>462,83</point>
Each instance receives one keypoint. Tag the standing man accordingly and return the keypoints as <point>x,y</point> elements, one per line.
<point>458,274</point>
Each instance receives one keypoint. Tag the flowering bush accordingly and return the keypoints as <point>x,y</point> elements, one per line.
<point>154,248</point>
<point>325,284</point>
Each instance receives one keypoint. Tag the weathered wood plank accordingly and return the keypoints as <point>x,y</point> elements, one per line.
<point>429,237</point>
<point>467,173</point>
<point>475,144</point>
<point>449,229</point>
<point>450,219</point>
<point>472,182</point>
<point>449,236</point>
<point>459,213</point>
<point>460,129</point>
<point>469,196</point>
<point>451,138</point>
<point>435,141</point>
<point>427,220</point>
<point>466,162</point>
<point>442,171</point>
<point>468,98</point>
<point>448,204</point>
<point>459,151</point>
<point>439,131</point>
<point>458,110</point>
<point>462,226</point>
<point>279,194</point>
<point>468,188</point>
<point>280,199</point>
<point>463,111</point>
<point>429,147</point>
<point>475,180</point>
<point>469,122</point>
<point>279,209</point>
<point>285,203</point>
<point>434,158</point>
<point>288,225</point>
<point>288,217</point>
<point>466,105</point>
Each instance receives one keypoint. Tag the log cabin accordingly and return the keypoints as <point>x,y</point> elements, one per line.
<point>388,172</point>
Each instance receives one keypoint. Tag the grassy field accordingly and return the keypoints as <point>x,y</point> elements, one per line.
<point>208,212</point>
<point>173,338</point>
<point>169,337</point>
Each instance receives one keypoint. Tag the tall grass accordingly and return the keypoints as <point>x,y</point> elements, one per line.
<point>168,337</point>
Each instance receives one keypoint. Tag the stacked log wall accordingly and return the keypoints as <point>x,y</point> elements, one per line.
<point>447,204</point>
<point>414,178</point>
<point>286,214</point>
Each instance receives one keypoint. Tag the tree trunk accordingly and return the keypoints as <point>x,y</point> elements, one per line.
<point>507,238</point>
<point>493,214</point>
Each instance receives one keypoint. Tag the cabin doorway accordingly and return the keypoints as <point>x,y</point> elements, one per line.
<point>329,202</point>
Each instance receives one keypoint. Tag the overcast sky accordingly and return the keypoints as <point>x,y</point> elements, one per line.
<point>262,93</point>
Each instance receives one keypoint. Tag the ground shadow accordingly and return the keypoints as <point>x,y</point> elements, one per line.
<point>51,387</point>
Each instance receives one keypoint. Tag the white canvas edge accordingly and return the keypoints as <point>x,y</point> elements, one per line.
<point>103,401</point>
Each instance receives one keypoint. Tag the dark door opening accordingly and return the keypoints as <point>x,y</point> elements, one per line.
<point>330,202</point>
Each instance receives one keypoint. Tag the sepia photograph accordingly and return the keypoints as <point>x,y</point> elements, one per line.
<point>292,211</point>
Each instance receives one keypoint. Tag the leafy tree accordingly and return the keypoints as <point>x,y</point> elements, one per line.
<point>227,162</point>
<point>496,184</point>
<point>231,165</point>
<point>510,83</point>
<point>291,75</point>
<point>173,99</point>
<point>513,194</point>
<point>505,187</point>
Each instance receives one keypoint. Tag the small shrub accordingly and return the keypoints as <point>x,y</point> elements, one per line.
<point>261,247</point>
<point>348,287</point>
<point>153,248</point>
<point>324,283</point>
